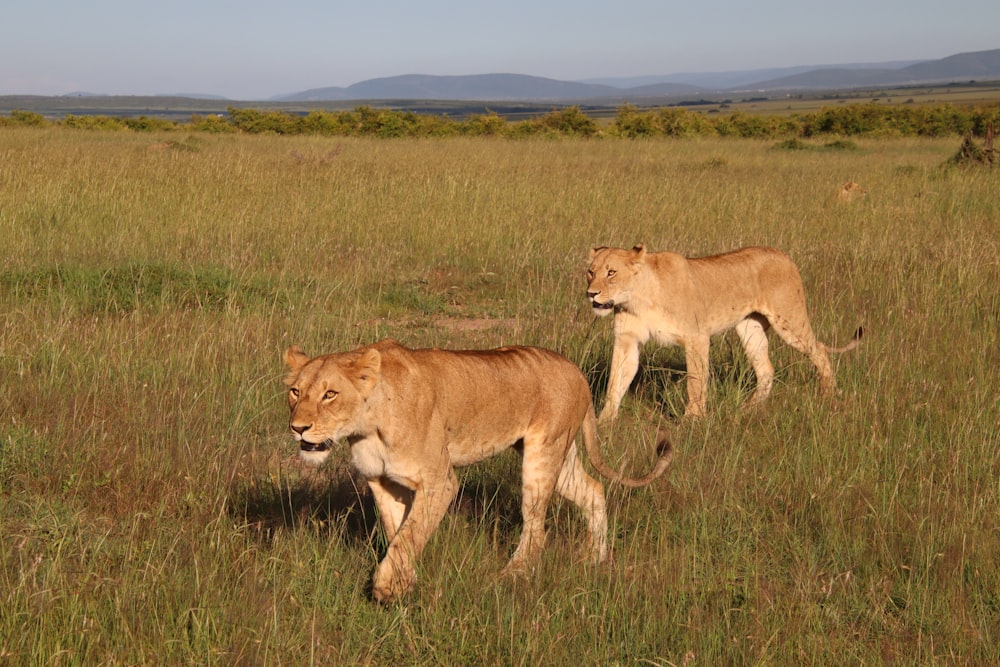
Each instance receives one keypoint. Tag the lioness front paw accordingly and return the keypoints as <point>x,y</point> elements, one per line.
<point>514,570</point>
<point>694,412</point>
<point>390,583</point>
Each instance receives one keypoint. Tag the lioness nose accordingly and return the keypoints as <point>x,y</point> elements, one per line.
<point>591,295</point>
<point>300,429</point>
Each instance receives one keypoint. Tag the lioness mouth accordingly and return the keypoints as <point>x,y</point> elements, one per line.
<point>603,306</point>
<point>314,446</point>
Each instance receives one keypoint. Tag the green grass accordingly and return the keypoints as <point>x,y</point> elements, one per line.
<point>153,510</point>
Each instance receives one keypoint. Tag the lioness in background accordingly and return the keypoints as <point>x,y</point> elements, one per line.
<point>411,416</point>
<point>673,300</point>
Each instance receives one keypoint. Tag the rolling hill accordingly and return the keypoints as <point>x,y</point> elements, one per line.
<point>473,87</point>
<point>960,67</point>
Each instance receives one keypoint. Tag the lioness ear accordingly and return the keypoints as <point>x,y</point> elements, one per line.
<point>639,250</point>
<point>295,358</point>
<point>366,371</point>
<point>594,251</point>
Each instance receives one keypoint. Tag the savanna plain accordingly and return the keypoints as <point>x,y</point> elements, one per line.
<point>153,509</point>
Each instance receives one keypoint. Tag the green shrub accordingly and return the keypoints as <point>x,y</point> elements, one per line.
<point>754,126</point>
<point>632,123</point>
<point>569,122</point>
<point>24,119</point>
<point>792,145</point>
<point>216,124</point>
<point>147,124</point>
<point>679,122</point>
<point>485,125</point>
<point>259,122</point>
<point>93,122</point>
<point>841,145</point>
<point>871,119</point>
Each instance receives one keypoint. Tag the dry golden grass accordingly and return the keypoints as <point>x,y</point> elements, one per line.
<point>153,511</point>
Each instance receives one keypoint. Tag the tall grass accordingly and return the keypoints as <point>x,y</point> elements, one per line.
<point>152,509</point>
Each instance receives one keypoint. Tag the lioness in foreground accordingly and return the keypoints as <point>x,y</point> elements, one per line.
<point>674,300</point>
<point>411,416</point>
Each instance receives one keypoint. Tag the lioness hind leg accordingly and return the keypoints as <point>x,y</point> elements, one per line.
<point>696,359</point>
<point>539,472</point>
<point>753,334</point>
<point>587,493</point>
<point>799,334</point>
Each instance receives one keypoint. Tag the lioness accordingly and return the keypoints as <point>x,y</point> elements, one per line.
<point>411,416</point>
<point>675,300</point>
<point>850,191</point>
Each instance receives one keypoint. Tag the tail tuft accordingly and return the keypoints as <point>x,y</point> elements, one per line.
<point>855,341</point>
<point>663,447</point>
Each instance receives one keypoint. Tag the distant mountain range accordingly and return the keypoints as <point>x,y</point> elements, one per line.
<point>979,65</point>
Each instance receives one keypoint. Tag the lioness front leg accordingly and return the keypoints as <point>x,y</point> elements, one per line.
<point>395,574</point>
<point>393,501</point>
<point>624,366</point>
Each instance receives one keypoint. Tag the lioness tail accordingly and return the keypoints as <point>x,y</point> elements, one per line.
<point>592,444</point>
<point>855,341</point>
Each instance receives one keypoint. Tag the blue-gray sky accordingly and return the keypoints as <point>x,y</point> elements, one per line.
<point>253,50</point>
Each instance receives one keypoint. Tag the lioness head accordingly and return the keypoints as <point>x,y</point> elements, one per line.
<point>326,396</point>
<point>850,191</point>
<point>609,278</point>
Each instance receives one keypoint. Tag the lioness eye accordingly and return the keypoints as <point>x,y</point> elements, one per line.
<point>611,273</point>
<point>294,392</point>
<point>329,395</point>
<point>590,275</point>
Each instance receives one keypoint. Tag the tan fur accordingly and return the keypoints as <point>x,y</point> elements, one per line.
<point>850,191</point>
<point>677,301</point>
<point>411,416</point>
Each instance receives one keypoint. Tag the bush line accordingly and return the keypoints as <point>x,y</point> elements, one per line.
<point>870,120</point>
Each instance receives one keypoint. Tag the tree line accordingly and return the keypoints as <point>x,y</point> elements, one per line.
<point>854,120</point>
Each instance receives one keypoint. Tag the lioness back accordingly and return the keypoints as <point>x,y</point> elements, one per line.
<point>537,372</point>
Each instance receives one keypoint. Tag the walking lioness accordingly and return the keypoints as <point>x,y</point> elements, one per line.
<point>678,301</point>
<point>411,416</point>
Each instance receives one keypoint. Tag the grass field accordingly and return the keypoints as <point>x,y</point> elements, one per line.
<point>153,510</point>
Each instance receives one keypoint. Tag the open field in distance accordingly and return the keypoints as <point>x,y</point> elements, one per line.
<point>153,510</point>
